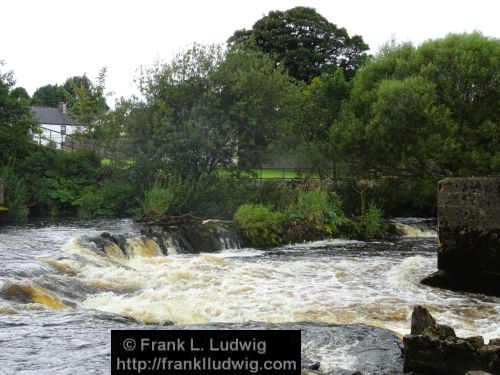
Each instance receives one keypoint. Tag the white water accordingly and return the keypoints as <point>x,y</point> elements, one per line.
<point>320,282</point>
<point>416,228</point>
<point>332,281</point>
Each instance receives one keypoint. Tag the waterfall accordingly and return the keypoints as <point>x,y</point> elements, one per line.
<point>413,227</point>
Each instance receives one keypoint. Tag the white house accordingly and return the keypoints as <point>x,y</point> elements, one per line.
<point>55,125</point>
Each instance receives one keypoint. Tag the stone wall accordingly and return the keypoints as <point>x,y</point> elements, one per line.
<point>469,235</point>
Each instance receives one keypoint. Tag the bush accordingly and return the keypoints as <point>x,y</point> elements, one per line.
<point>317,209</point>
<point>272,193</point>
<point>259,225</point>
<point>371,223</point>
<point>16,198</point>
<point>57,179</point>
<point>120,197</point>
<point>89,204</point>
<point>334,214</point>
<point>208,196</point>
<point>157,201</point>
<point>309,207</point>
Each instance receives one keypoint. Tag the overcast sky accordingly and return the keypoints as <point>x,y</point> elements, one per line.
<point>47,41</point>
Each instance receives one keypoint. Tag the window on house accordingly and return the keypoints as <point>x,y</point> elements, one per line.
<point>63,129</point>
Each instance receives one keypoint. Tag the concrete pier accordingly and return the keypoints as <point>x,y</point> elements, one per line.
<point>469,235</point>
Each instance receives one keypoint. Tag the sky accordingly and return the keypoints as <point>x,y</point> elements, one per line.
<point>46,42</point>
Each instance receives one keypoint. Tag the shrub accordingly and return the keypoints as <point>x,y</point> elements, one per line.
<point>334,214</point>
<point>209,196</point>
<point>120,197</point>
<point>89,204</point>
<point>272,193</point>
<point>371,223</point>
<point>16,194</point>
<point>16,198</point>
<point>309,207</point>
<point>317,209</point>
<point>157,201</point>
<point>259,225</point>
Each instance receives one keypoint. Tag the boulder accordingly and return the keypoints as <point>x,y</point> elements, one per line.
<point>434,349</point>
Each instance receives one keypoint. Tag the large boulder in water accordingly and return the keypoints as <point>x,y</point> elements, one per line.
<point>434,349</point>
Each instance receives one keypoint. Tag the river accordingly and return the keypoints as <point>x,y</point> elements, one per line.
<point>59,298</point>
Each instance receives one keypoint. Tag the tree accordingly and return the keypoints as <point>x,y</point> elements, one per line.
<point>206,110</point>
<point>318,107</point>
<point>16,120</point>
<point>255,96</point>
<point>176,129</point>
<point>48,96</point>
<point>20,94</point>
<point>304,42</point>
<point>87,101</point>
<point>74,90</point>
<point>425,112</point>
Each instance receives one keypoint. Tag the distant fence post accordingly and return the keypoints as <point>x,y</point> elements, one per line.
<point>1,192</point>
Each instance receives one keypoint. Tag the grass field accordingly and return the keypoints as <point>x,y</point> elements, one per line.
<point>263,173</point>
<point>276,173</point>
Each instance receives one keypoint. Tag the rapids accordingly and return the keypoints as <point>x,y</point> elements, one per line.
<point>59,297</point>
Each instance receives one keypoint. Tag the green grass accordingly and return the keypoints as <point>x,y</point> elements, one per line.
<point>106,161</point>
<point>268,173</point>
<point>276,173</point>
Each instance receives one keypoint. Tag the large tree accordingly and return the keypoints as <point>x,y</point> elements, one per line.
<point>425,112</point>
<point>307,135</point>
<point>48,96</point>
<point>207,109</point>
<point>304,42</point>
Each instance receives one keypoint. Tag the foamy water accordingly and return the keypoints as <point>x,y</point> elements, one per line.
<point>334,281</point>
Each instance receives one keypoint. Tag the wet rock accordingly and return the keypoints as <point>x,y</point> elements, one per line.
<point>174,236</point>
<point>469,235</point>
<point>311,366</point>
<point>373,350</point>
<point>477,373</point>
<point>421,320</point>
<point>495,342</point>
<point>423,323</point>
<point>194,236</point>
<point>434,349</point>
<point>306,371</point>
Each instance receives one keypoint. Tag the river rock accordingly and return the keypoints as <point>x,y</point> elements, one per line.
<point>374,351</point>
<point>434,349</point>
<point>469,235</point>
<point>188,234</point>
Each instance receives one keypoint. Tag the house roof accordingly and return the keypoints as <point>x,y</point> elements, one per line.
<point>52,116</point>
